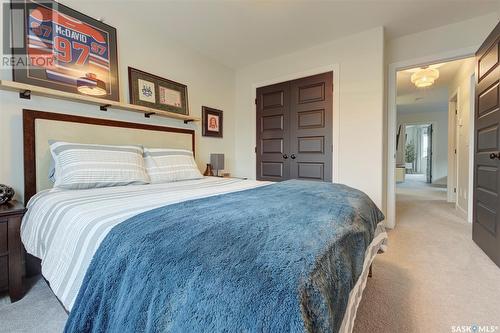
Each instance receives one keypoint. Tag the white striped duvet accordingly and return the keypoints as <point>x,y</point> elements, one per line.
<point>64,228</point>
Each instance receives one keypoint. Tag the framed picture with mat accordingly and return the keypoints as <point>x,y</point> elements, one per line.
<point>156,92</point>
<point>212,122</point>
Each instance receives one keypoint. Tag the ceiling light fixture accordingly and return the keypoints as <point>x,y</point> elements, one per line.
<point>91,85</point>
<point>425,77</point>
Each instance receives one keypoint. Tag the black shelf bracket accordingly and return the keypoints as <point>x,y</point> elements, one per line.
<point>148,114</point>
<point>187,121</point>
<point>104,107</point>
<point>25,94</point>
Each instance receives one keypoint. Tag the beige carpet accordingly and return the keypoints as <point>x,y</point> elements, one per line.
<point>432,277</point>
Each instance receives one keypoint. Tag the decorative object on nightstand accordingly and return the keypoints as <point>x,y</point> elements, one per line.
<point>11,270</point>
<point>6,193</point>
<point>209,171</point>
<point>217,162</point>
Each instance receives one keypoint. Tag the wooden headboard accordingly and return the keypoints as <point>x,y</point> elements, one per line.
<point>39,126</point>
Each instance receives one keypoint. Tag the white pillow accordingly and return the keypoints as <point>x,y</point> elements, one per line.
<point>83,166</point>
<point>170,165</point>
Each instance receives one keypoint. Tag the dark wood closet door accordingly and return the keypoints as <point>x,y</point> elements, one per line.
<point>486,215</point>
<point>294,129</point>
<point>273,119</point>
<point>311,119</point>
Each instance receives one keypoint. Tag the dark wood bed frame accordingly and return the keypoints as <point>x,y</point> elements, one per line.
<point>29,119</point>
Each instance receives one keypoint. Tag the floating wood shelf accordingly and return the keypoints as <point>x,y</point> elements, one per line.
<point>26,90</point>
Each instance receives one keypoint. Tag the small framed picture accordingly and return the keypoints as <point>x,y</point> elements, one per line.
<point>212,122</point>
<point>156,92</point>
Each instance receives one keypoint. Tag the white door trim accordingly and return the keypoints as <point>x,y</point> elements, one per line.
<point>390,221</point>
<point>472,141</point>
<point>452,183</point>
<point>335,68</point>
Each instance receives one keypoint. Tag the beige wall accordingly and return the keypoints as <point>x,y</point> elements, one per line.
<point>360,113</point>
<point>461,130</point>
<point>464,35</point>
<point>209,83</point>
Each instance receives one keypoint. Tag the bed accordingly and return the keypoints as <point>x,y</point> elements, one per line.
<point>209,254</point>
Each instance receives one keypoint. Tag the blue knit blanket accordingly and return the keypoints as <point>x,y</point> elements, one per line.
<point>278,258</point>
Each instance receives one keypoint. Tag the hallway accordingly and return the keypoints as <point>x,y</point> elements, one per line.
<point>432,270</point>
<point>415,188</point>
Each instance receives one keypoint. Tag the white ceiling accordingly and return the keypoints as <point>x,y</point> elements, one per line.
<point>238,33</point>
<point>434,98</point>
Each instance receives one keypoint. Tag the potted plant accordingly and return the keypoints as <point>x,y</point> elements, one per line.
<point>409,155</point>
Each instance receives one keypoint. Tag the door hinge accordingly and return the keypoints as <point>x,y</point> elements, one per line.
<point>455,151</point>
<point>454,190</point>
<point>255,149</point>
<point>255,101</point>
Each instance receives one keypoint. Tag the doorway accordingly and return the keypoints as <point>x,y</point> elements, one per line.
<point>476,125</point>
<point>417,145</point>
<point>430,105</point>
<point>294,122</point>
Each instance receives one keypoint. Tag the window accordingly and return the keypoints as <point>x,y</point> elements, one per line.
<point>425,141</point>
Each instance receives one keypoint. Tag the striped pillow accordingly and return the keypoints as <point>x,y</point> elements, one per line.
<point>83,166</point>
<point>170,165</point>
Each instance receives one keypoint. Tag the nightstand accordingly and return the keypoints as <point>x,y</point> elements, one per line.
<point>11,270</point>
<point>228,175</point>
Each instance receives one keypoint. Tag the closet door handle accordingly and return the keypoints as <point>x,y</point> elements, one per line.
<point>493,156</point>
<point>285,156</point>
<point>292,156</point>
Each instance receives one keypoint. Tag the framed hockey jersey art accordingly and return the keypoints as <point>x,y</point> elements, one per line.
<point>66,50</point>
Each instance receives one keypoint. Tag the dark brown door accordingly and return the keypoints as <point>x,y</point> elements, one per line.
<point>273,122</point>
<point>311,127</point>
<point>486,217</point>
<point>294,129</point>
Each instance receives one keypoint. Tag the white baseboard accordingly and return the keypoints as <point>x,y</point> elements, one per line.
<point>389,225</point>
<point>462,212</point>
